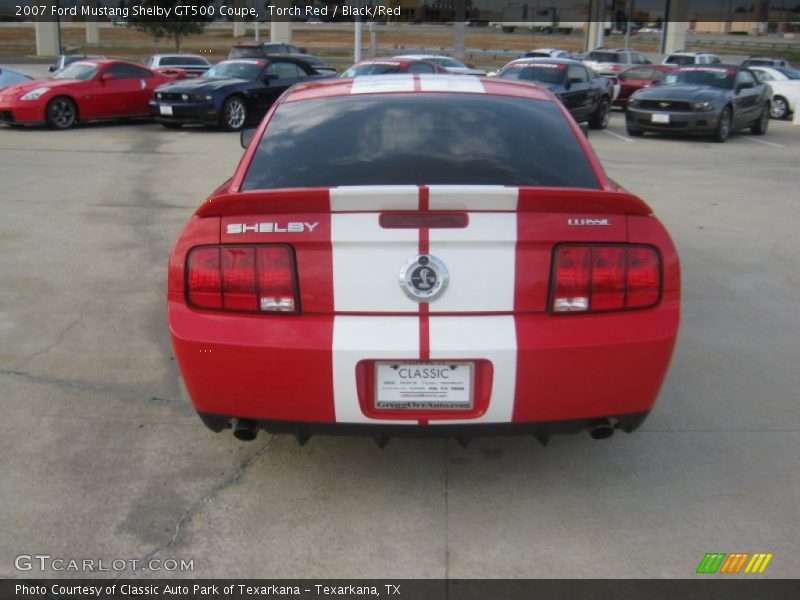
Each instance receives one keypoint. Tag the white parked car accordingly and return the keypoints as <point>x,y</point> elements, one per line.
<point>546,53</point>
<point>194,64</point>
<point>450,64</point>
<point>785,84</point>
<point>691,58</point>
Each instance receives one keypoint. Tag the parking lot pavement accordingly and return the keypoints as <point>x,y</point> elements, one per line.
<point>102,456</point>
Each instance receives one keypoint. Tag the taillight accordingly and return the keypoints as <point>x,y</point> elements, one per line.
<point>588,278</point>
<point>242,278</point>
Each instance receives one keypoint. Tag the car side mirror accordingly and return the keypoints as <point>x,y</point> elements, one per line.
<point>107,77</point>
<point>270,77</point>
<point>52,69</point>
<point>247,136</point>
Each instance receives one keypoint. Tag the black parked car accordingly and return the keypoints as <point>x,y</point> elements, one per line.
<point>231,94</point>
<point>585,94</point>
<point>711,100</point>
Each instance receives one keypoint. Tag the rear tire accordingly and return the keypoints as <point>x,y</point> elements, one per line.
<point>780,108</point>
<point>599,120</point>
<point>61,113</point>
<point>234,114</point>
<point>724,125</point>
<point>760,126</point>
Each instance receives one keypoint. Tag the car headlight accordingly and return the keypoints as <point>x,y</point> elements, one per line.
<point>159,96</point>
<point>202,98</point>
<point>35,94</point>
<point>185,97</point>
<point>703,106</point>
<point>633,101</point>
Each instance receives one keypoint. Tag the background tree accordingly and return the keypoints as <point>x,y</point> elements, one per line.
<point>177,27</point>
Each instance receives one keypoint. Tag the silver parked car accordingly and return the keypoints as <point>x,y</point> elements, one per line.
<point>193,64</point>
<point>449,64</point>
<point>611,61</point>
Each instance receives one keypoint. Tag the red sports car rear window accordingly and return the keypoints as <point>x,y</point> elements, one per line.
<point>412,139</point>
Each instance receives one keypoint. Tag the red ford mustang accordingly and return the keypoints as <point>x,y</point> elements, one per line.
<point>422,255</point>
<point>83,91</point>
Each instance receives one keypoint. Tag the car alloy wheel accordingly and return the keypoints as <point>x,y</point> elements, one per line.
<point>724,126</point>
<point>760,126</point>
<point>780,108</point>
<point>601,117</point>
<point>235,114</point>
<point>61,113</point>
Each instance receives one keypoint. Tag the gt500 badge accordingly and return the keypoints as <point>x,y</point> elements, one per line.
<point>424,278</point>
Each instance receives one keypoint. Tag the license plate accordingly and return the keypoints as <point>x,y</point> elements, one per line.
<point>415,385</point>
<point>660,118</point>
<point>166,110</point>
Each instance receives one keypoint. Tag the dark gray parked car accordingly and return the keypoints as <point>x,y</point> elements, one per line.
<point>712,100</point>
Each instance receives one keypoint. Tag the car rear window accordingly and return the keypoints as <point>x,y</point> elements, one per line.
<point>246,52</point>
<point>373,69</point>
<point>680,59</point>
<point>604,57</point>
<point>541,72</point>
<point>413,139</point>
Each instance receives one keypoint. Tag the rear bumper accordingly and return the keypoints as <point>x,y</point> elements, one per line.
<point>545,369</point>
<point>382,433</point>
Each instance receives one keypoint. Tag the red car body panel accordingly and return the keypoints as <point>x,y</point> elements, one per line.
<point>628,85</point>
<point>531,366</point>
<point>96,98</point>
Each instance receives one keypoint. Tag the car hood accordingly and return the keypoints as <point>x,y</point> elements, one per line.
<point>689,93</point>
<point>201,85</point>
<point>21,88</point>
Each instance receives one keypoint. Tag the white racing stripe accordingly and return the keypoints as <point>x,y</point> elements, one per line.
<point>454,83</point>
<point>481,262</point>
<point>491,338</point>
<point>473,197</point>
<point>366,338</point>
<point>372,198</point>
<point>366,264</point>
<point>381,84</point>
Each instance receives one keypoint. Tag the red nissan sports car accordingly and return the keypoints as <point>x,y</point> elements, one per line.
<point>83,91</point>
<point>422,255</point>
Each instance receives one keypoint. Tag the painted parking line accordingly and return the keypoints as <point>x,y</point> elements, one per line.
<point>616,135</point>
<point>756,140</point>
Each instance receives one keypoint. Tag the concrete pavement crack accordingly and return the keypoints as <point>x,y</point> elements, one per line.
<point>117,390</point>
<point>195,507</point>
<point>446,520</point>
<point>59,339</point>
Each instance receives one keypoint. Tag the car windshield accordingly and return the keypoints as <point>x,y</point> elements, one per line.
<point>80,71</point>
<point>720,78</point>
<point>541,72</point>
<point>790,73</point>
<point>604,57</point>
<point>373,69</point>
<point>412,139</point>
<point>238,69</point>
